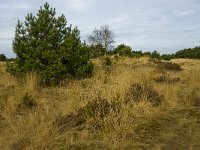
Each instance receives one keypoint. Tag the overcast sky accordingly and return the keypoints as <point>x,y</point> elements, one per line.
<point>163,25</point>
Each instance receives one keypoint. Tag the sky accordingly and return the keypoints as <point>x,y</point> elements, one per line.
<point>163,25</point>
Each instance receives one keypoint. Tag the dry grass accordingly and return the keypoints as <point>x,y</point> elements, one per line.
<point>106,111</point>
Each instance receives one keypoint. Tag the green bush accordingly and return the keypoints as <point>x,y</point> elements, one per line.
<point>2,57</point>
<point>123,50</point>
<point>167,56</point>
<point>45,45</point>
<point>155,54</point>
<point>96,50</point>
<point>137,54</point>
<point>86,70</point>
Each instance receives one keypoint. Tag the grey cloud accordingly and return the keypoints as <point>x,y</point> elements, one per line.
<point>165,25</point>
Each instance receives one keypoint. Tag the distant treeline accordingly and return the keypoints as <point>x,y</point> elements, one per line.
<point>4,58</point>
<point>193,53</point>
<point>124,50</point>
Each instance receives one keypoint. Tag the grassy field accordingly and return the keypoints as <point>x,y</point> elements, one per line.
<point>132,104</point>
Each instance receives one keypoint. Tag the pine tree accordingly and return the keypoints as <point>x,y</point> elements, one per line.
<point>45,45</point>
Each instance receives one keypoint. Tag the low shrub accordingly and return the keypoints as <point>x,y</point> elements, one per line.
<point>116,57</point>
<point>100,108</point>
<point>189,97</point>
<point>27,102</point>
<point>70,121</point>
<point>21,143</point>
<point>97,109</point>
<point>108,61</point>
<point>196,101</point>
<point>139,92</point>
<point>169,66</point>
<point>166,79</point>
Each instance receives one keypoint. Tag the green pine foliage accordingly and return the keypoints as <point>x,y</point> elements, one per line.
<point>46,45</point>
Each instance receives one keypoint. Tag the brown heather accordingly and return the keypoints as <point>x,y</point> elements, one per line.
<point>131,104</point>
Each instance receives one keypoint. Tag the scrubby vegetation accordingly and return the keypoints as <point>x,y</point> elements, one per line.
<point>193,53</point>
<point>131,100</point>
<point>128,105</point>
<point>123,50</point>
